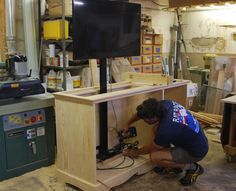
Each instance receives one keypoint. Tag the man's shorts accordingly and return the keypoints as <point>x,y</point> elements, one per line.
<point>180,155</point>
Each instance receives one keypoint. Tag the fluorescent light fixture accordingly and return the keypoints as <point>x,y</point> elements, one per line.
<point>79,3</point>
<point>184,8</point>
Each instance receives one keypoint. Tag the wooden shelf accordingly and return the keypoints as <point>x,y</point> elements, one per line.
<point>66,68</point>
<point>58,41</point>
<point>47,17</point>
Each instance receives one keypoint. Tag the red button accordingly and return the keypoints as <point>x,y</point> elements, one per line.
<point>40,118</point>
<point>33,119</point>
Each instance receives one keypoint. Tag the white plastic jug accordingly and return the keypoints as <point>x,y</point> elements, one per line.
<point>51,82</point>
<point>60,81</point>
<point>69,81</point>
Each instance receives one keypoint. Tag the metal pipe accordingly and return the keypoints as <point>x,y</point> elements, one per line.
<point>10,26</point>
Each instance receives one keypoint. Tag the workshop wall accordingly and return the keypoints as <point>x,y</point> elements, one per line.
<point>209,31</point>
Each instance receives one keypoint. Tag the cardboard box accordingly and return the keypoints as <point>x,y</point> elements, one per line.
<point>147,49</point>
<point>55,8</point>
<point>138,68</point>
<point>147,59</point>
<point>157,49</point>
<point>157,68</point>
<point>147,39</point>
<point>158,39</point>
<point>147,68</point>
<point>135,60</point>
<point>52,29</point>
<point>157,58</point>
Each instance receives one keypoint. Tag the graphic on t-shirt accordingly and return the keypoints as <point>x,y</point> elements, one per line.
<point>181,115</point>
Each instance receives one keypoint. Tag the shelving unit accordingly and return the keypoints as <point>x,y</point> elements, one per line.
<point>63,43</point>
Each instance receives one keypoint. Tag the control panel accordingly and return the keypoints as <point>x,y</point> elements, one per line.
<point>23,119</point>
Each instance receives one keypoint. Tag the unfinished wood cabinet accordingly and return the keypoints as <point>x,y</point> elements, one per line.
<point>230,148</point>
<point>77,127</point>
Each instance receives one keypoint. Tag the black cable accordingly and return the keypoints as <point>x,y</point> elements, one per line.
<point>116,167</point>
<point>109,168</point>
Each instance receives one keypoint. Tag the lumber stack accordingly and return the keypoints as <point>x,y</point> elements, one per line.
<point>208,119</point>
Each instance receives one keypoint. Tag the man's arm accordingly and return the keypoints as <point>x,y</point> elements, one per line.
<point>133,119</point>
<point>142,151</point>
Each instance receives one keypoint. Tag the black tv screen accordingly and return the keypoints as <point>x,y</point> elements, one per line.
<point>105,29</point>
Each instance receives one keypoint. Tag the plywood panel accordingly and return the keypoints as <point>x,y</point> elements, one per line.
<point>177,94</point>
<point>2,30</point>
<point>119,111</point>
<point>76,139</point>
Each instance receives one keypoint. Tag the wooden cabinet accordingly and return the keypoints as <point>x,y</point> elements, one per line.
<point>77,123</point>
<point>230,148</point>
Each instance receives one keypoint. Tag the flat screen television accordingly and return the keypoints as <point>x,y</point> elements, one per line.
<point>105,29</point>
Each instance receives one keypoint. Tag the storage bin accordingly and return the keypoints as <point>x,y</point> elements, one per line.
<point>53,30</point>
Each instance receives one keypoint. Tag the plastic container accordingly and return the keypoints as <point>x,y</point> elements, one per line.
<point>76,81</point>
<point>69,81</point>
<point>51,82</point>
<point>53,29</point>
<point>59,81</point>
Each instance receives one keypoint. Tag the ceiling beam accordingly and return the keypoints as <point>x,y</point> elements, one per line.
<point>185,3</point>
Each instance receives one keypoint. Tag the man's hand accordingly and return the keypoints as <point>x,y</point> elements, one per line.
<point>125,128</point>
<point>131,153</point>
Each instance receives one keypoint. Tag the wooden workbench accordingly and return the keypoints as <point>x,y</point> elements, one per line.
<point>77,128</point>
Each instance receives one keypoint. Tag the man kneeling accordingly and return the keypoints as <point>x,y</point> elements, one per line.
<point>179,141</point>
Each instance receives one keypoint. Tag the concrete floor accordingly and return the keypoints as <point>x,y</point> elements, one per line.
<point>219,176</point>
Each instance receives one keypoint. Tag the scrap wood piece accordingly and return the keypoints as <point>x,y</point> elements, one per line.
<point>94,72</point>
<point>216,140</point>
<point>203,118</point>
<point>155,79</point>
<point>213,116</point>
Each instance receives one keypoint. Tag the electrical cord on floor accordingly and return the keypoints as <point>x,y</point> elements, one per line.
<point>116,167</point>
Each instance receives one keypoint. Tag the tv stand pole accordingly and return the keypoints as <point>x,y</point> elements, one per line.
<point>103,121</point>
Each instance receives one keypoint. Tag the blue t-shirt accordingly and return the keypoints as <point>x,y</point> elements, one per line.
<point>179,128</point>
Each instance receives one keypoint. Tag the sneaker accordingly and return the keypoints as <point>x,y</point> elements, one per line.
<point>164,171</point>
<point>191,176</point>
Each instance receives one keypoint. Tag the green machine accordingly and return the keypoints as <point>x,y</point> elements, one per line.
<point>27,134</point>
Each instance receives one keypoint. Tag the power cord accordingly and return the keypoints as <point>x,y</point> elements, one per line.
<point>116,167</point>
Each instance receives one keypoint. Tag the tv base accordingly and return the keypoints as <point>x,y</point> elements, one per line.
<point>107,179</point>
